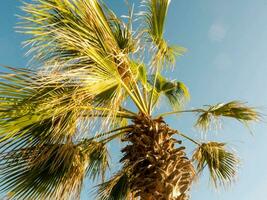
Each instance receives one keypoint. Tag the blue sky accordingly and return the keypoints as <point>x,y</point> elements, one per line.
<point>227,43</point>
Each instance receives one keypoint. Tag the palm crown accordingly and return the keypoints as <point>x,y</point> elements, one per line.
<point>57,119</point>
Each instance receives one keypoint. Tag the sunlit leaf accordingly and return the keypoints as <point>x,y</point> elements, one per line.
<point>236,110</point>
<point>155,18</point>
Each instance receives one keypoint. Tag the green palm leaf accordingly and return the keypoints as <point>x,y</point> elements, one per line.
<point>155,18</point>
<point>117,188</point>
<point>33,107</point>
<point>236,110</point>
<point>176,92</point>
<point>44,172</point>
<point>123,32</point>
<point>221,163</point>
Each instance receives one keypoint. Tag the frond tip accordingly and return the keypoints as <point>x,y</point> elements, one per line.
<point>222,164</point>
<point>233,109</point>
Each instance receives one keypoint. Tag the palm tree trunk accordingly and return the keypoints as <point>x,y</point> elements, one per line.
<point>159,170</point>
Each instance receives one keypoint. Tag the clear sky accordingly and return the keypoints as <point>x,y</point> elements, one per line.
<point>226,60</point>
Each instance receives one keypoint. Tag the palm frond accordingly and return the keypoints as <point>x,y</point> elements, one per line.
<point>62,30</point>
<point>76,35</point>
<point>123,32</point>
<point>155,17</point>
<point>34,107</point>
<point>176,92</point>
<point>43,107</point>
<point>221,163</point>
<point>234,109</point>
<point>87,41</point>
<point>117,188</point>
<point>44,171</point>
<point>142,74</point>
<point>98,159</point>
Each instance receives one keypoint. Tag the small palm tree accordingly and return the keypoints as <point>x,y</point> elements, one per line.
<point>96,80</point>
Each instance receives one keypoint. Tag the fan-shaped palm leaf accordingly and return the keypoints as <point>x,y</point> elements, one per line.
<point>50,170</point>
<point>234,109</point>
<point>155,17</point>
<point>123,32</point>
<point>222,164</point>
<point>176,92</point>
<point>33,106</point>
<point>117,188</point>
<point>82,37</point>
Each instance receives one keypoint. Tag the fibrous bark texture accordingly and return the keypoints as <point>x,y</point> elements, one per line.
<point>159,169</point>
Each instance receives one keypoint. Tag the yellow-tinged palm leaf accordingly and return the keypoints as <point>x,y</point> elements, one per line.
<point>235,109</point>
<point>87,41</point>
<point>142,74</point>
<point>62,30</point>
<point>34,107</point>
<point>155,17</point>
<point>221,163</point>
<point>49,107</point>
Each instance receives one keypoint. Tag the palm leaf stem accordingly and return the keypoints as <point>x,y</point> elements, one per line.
<point>106,115</point>
<point>179,111</point>
<point>150,105</point>
<point>109,132</point>
<point>188,138</point>
<point>140,96</point>
<point>107,140</point>
<point>140,105</point>
<point>144,91</point>
<point>128,111</point>
<point>124,113</point>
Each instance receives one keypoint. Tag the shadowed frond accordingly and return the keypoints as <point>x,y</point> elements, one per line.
<point>222,164</point>
<point>98,159</point>
<point>176,92</point>
<point>46,171</point>
<point>155,17</point>
<point>234,109</point>
<point>117,188</point>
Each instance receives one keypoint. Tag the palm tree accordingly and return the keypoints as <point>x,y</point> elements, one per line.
<point>96,80</point>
